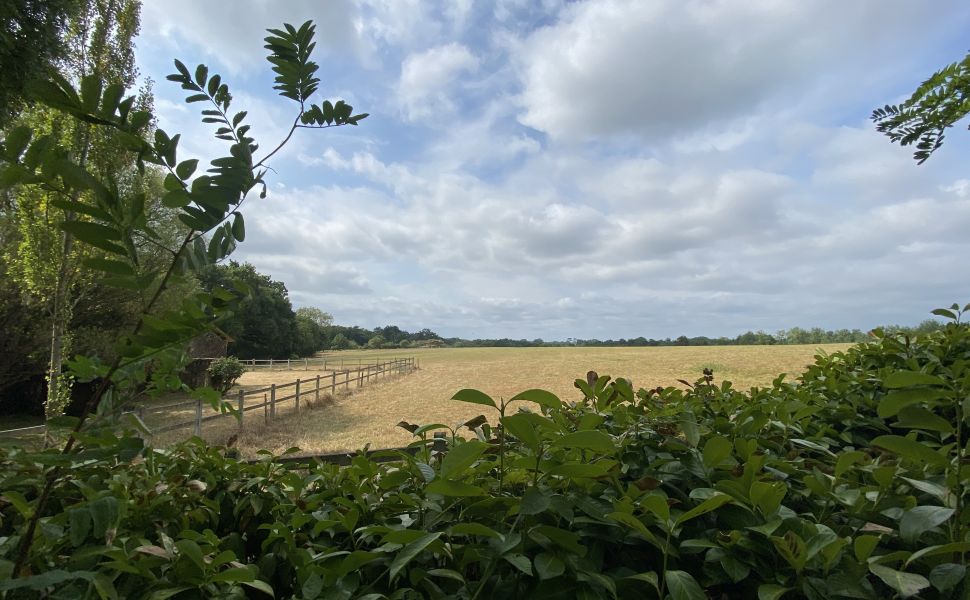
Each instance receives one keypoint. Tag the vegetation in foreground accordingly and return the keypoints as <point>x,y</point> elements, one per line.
<point>849,483</point>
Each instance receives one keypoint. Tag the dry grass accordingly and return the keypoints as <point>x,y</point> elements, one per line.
<point>370,415</point>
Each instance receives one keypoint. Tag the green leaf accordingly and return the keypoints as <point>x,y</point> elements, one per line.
<point>910,450</point>
<point>238,228</point>
<point>916,521</point>
<point>767,496</point>
<point>186,168</point>
<point>447,574</point>
<point>896,400</point>
<point>192,551</point>
<point>461,456</point>
<point>260,585</point>
<point>406,554</point>
<point>657,505</point>
<point>864,545</point>
<point>522,428</point>
<point>533,502</point>
<point>688,424</point>
<point>104,515</point>
<point>427,471</point>
<point>917,417</point>
<point>847,460</point>
<point>520,562</point>
<point>634,524</point>
<point>541,397</point>
<point>80,521</point>
<point>46,580</point>
<point>715,451</point>
<point>905,584</point>
<point>109,266</point>
<point>447,487</point>
<point>589,439</point>
<point>947,576</point>
<point>712,503</point>
<point>19,502</point>
<point>474,397</point>
<point>312,587</point>
<point>548,566</point>
<point>951,548</point>
<point>176,199</point>
<point>683,586</point>
<point>942,312</point>
<point>901,379</point>
<point>792,549</point>
<point>769,591</point>
<point>94,234</point>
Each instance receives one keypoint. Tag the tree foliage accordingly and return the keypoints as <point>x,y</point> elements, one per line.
<point>116,222</point>
<point>32,41</point>
<point>936,105</point>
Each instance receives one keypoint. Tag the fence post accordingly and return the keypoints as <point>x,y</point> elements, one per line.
<point>287,364</point>
<point>316,393</point>
<point>333,384</point>
<point>242,396</point>
<point>347,379</point>
<point>306,364</point>
<point>297,397</point>
<point>272,401</point>
<point>271,364</point>
<point>198,417</point>
<point>265,410</point>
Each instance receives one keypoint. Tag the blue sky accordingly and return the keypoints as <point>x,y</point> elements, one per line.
<point>593,169</point>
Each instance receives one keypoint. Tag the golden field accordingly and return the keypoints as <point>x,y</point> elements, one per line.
<point>370,415</point>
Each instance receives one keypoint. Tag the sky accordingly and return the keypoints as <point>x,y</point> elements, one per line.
<point>601,169</point>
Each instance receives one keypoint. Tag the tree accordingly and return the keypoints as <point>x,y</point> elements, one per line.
<point>340,342</point>
<point>263,325</point>
<point>311,330</point>
<point>45,261</point>
<point>208,205</point>
<point>937,104</point>
<point>377,342</point>
<point>31,43</point>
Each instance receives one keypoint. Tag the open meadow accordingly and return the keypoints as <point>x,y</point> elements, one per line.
<point>370,415</point>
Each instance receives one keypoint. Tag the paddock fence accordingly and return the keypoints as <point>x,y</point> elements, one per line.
<point>164,422</point>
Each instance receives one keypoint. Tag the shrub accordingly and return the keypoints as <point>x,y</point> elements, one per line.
<point>844,484</point>
<point>224,372</point>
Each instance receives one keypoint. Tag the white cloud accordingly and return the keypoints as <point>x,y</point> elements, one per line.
<point>427,79</point>
<point>653,69</point>
<point>724,177</point>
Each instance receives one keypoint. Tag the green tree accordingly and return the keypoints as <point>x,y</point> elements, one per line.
<point>311,330</point>
<point>340,342</point>
<point>45,261</point>
<point>32,41</point>
<point>264,324</point>
<point>208,205</point>
<point>377,342</point>
<point>936,105</point>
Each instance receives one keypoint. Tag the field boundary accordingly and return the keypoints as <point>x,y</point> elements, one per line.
<point>268,398</point>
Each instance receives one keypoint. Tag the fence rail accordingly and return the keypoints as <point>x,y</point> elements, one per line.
<point>309,364</point>
<point>268,398</point>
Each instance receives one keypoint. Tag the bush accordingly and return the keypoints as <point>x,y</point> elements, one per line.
<point>844,484</point>
<point>224,372</point>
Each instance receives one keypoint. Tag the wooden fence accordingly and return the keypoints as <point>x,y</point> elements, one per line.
<point>307,364</point>
<point>270,398</point>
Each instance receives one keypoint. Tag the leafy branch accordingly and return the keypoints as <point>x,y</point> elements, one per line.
<point>113,222</point>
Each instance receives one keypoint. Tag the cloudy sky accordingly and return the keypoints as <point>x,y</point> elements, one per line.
<point>593,169</point>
